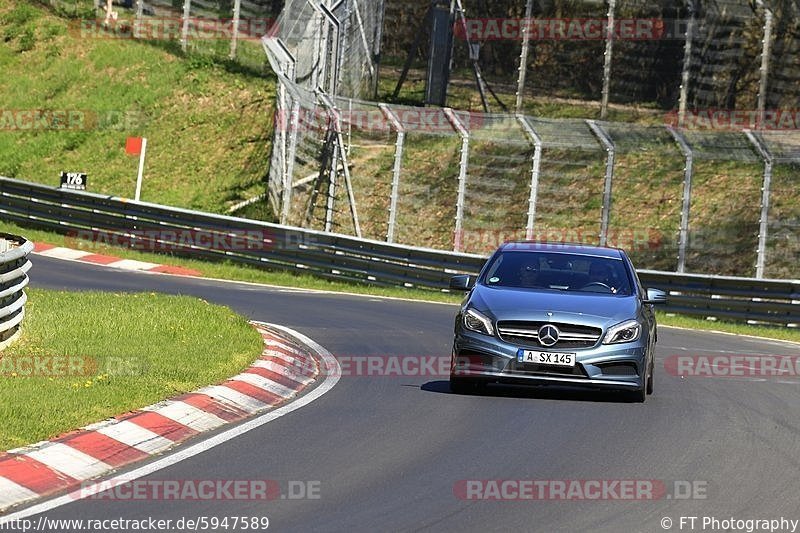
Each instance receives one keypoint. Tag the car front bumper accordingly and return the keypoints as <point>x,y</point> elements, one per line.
<point>490,359</point>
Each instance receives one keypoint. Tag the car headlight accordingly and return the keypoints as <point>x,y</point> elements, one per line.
<point>475,321</point>
<point>626,332</point>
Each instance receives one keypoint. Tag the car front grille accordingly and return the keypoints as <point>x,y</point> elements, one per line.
<point>526,334</point>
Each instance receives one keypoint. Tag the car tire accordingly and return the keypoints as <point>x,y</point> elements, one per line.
<point>639,395</point>
<point>465,385</point>
<point>650,379</point>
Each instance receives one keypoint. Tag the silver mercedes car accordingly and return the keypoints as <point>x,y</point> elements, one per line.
<point>557,314</point>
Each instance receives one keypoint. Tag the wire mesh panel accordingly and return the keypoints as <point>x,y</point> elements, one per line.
<point>647,53</point>
<point>371,145</point>
<point>783,228</point>
<point>783,86</point>
<point>570,191</point>
<point>299,28</point>
<point>726,200</point>
<point>312,146</point>
<point>724,62</point>
<point>499,182</point>
<point>646,195</point>
<point>361,22</point>
<point>426,209</point>
<point>564,46</point>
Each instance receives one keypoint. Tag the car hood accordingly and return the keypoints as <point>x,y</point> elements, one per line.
<point>524,304</point>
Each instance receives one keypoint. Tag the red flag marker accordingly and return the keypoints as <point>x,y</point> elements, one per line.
<point>133,145</point>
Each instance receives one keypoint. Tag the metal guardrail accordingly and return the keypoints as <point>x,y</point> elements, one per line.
<point>14,265</point>
<point>147,227</point>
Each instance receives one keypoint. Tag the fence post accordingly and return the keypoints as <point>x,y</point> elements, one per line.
<point>377,47</point>
<point>535,165</point>
<point>763,228</point>
<point>462,175</point>
<point>237,5</point>
<point>137,33</point>
<point>523,58</point>
<point>187,11</point>
<point>765,56</point>
<point>688,172</point>
<point>687,62</point>
<point>612,4</point>
<point>398,162</point>
<point>608,144</point>
<point>335,57</point>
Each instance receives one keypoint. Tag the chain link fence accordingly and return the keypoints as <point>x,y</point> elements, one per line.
<point>678,200</point>
<point>714,54</point>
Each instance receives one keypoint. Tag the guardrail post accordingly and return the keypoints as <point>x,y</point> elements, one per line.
<point>688,172</point>
<point>687,62</point>
<point>398,163</point>
<point>523,58</point>
<point>462,175</point>
<point>535,166</point>
<point>612,4</point>
<point>763,227</point>
<point>608,144</point>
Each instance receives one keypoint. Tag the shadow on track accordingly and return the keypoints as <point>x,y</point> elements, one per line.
<point>549,392</point>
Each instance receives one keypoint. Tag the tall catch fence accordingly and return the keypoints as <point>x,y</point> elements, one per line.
<point>687,195</point>
<point>715,54</point>
<point>677,199</point>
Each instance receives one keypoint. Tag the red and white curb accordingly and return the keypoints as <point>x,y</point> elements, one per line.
<point>59,252</point>
<point>285,368</point>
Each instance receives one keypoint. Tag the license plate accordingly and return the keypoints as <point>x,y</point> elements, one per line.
<point>546,358</point>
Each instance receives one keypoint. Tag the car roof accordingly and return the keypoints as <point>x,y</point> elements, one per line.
<point>564,248</point>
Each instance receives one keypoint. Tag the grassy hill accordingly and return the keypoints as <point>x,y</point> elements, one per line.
<point>208,124</point>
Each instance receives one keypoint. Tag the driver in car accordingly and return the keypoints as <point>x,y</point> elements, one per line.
<point>600,274</point>
<point>529,276</point>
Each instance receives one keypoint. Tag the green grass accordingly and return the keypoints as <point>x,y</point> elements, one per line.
<point>208,122</point>
<point>781,333</point>
<point>127,351</point>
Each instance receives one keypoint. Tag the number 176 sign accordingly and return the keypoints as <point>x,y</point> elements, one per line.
<point>73,180</point>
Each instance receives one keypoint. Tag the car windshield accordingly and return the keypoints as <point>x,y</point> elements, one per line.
<point>559,271</point>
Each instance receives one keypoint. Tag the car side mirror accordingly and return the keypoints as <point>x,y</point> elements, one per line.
<point>656,296</point>
<point>462,283</point>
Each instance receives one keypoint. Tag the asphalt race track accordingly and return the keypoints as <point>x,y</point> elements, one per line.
<point>389,453</point>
